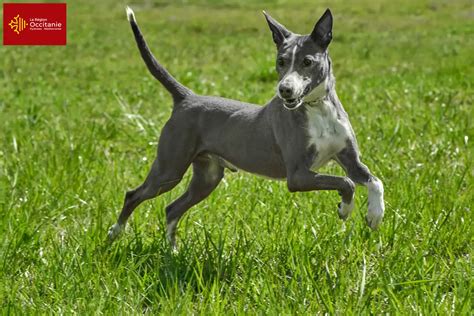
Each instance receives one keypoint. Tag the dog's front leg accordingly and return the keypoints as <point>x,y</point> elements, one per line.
<point>307,180</point>
<point>360,174</point>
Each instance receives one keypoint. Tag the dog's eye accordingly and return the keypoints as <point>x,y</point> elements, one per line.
<point>281,62</point>
<point>307,62</point>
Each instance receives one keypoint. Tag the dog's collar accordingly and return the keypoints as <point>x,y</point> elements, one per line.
<point>318,94</point>
<point>317,101</point>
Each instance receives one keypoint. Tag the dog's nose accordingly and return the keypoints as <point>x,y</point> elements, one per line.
<point>285,91</point>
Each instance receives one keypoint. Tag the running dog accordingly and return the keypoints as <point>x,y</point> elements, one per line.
<point>298,131</point>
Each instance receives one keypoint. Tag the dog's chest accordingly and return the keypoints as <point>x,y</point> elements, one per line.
<point>327,133</point>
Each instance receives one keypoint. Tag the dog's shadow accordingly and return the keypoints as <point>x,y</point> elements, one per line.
<point>198,264</point>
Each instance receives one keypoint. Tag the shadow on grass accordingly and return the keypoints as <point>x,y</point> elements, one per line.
<point>198,265</point>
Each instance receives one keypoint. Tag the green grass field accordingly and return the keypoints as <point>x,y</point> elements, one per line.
<point>79,126</point>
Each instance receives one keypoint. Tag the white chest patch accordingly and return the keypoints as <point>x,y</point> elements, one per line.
<point>327,133</point>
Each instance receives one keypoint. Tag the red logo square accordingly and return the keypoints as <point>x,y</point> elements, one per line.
<point>34,23</point>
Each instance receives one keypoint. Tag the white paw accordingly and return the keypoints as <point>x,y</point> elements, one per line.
<point>174,249</point>
<point>345,210</point>
<point>171,234</point>
<point>376,205</point>
<point>114,231</point>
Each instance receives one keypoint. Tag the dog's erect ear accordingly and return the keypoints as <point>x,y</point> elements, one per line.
<point>322,32</point>
<point>279,32</point>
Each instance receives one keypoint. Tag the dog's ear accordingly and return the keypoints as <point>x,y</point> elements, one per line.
<point>322,32</point>
<point>279,32</point>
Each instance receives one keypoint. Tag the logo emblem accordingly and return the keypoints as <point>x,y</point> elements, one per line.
<point>17,24</point>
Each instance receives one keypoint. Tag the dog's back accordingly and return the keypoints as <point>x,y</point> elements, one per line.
<point>208,118</point>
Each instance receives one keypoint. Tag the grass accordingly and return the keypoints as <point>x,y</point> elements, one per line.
<point>79,126</point>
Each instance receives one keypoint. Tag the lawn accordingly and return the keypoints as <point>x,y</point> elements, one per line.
<point>79,126</point>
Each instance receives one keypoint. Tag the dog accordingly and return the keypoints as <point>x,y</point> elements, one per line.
<point>298,131</point>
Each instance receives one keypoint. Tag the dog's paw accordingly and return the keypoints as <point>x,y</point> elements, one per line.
<point>374,219</point>
<point>376,204</point>
<point>114,232</point>
<point>344,210</point>
<point>171,234</point>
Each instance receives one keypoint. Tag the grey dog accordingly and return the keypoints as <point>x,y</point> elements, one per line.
<point>298,131</point>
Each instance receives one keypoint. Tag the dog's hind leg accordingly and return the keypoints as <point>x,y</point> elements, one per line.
<point>175,154</point>
<point>207,173</point>
<point>155,184</point>
<point>348,158</point>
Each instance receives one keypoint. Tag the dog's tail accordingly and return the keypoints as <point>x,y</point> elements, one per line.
<point>177,90</point>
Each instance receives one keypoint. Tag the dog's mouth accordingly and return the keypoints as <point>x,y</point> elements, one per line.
<point>292,104</point>
<point>296,102</point>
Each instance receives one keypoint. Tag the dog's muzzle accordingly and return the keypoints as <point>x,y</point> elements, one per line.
<point>292,90</point>
<point>294,103</point>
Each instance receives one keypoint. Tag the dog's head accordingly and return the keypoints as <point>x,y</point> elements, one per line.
<point>302,63</point>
